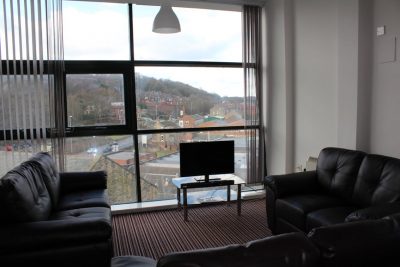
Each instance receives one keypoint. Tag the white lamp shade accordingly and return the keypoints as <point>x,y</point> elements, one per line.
<point>166,21</point>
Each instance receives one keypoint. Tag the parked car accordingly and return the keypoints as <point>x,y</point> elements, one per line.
<point>92,150</point>
<point>107,149</point>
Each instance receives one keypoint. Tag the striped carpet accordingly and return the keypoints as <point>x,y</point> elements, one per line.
<point>153,234</point>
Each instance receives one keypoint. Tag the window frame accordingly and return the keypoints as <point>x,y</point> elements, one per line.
<point>127,69</point>
<point>101,67</point>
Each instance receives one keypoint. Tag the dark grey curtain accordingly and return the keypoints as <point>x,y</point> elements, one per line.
<point>30,32</point>
<point>56,86</point>
<point>252,85</point>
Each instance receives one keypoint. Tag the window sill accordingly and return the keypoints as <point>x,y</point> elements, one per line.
<point>168,204</point>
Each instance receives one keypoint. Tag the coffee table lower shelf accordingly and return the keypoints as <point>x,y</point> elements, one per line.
<point>221,195</point>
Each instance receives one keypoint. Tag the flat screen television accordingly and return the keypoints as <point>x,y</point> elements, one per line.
<point>206,158</point>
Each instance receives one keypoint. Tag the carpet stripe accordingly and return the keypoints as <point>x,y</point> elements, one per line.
<point>153,234</point>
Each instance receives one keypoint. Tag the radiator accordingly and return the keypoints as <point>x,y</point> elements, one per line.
<point>311,164</point>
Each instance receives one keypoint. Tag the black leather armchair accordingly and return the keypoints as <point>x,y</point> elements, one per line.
<point>347,185</point>
<point>54,219</point>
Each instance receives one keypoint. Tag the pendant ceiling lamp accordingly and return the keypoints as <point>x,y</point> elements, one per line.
<point>166,20</point>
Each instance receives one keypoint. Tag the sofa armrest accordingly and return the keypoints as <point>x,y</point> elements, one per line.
<point>293,183</point>
<point>374,212</point>
<point>53,233</point>
<point>79,181</point>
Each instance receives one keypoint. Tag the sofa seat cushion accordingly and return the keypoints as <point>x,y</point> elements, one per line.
<point>84,199</point>
<point>84,213</point>
<point>328,216</point>
<point>294,209</point>
<point>61,230</point>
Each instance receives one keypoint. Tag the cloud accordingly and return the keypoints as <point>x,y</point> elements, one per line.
<point>207,35</point>
<point>13,39</point>
<point>100,31</point>
<point>99,34</point>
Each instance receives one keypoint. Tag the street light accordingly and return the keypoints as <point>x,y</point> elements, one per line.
<point>69,121</point>
<point>70,125</point>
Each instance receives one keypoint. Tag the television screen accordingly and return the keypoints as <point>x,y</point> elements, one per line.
<point>205,158</point>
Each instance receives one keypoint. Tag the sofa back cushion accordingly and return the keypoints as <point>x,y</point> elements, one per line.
<point>362,243</point>
<point>378,181</point>
<point>337,170</point>
<point>51,177</point>
<point>291,249</point>
<point>23,196</point>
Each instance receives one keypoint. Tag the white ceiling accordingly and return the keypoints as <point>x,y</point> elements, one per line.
<point>186,3</point>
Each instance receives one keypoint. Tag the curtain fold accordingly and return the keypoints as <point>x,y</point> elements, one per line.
<point>28,31</point>
<point>55,50</point>
<point>253,93</point>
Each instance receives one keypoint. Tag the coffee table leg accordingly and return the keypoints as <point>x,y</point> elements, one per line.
<point>178,197</point>
<point>185,205</point>
<point>228,194</point>
<point>239,199</point>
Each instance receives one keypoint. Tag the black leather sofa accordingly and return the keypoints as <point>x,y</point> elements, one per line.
<point>49,218</point>
<point>367,243</point>
<point>291,249</point>
<point>346,186</point>
<point>364,243</point>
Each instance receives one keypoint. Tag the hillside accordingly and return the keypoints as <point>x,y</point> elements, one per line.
<point>90,97</point>
<point>146,84</point>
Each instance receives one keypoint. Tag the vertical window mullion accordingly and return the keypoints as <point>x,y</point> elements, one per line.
<point>132,111</point>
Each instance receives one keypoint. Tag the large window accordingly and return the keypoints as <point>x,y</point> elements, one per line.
<point>133,95</point>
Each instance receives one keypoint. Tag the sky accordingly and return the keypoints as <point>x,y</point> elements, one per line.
<point>100,31</point>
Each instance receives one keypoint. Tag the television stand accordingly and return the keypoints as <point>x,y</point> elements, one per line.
<point>201,180</point>
<point>226,180</point>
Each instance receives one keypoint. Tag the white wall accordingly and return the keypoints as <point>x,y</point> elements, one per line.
<point>302,106</point>
<point>385,103</point>
<point>279,120</point>
<point>315,57</point>
<point>339,93</point>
